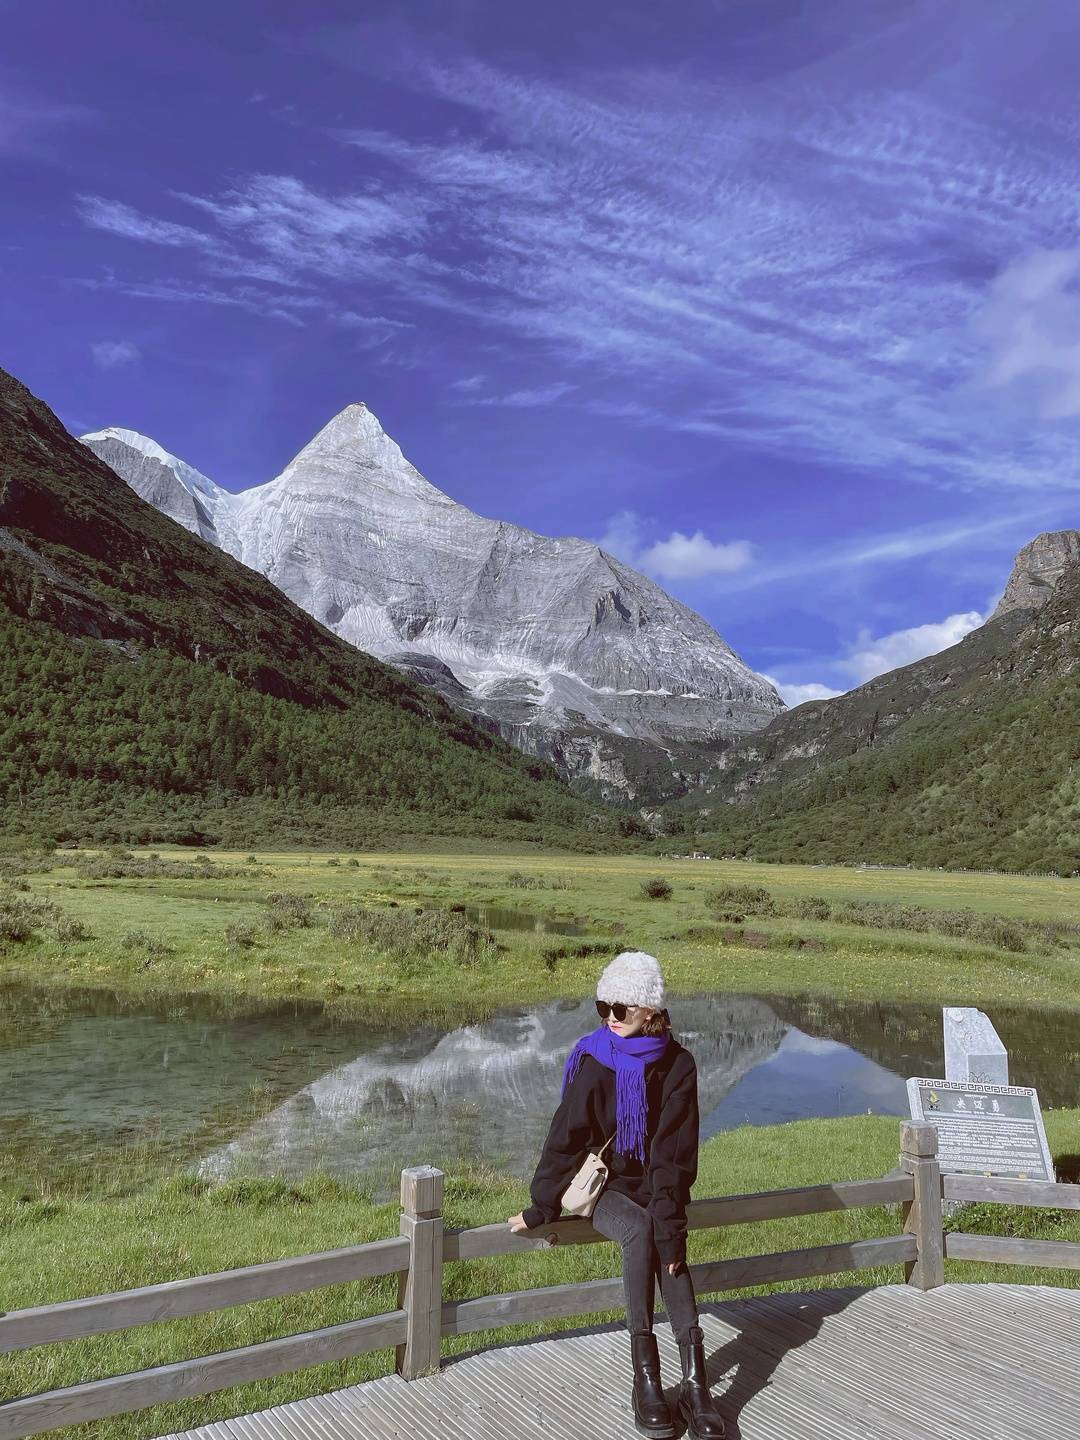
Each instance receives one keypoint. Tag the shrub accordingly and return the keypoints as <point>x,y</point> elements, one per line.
<point>150,945</point>
<point>413,937</point>
<point>521,881</point>
<point>240,936</point>
<point>735,902</point>
<point>810,907</point>
<point>656,888</point>
<point>19,918</point>
<point>68,930</point>
<point>288,912</point>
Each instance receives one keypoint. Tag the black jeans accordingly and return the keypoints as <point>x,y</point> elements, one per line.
<point>620,1218</point>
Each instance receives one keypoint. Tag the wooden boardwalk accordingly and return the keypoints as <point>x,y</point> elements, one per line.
<point>957,1362</point>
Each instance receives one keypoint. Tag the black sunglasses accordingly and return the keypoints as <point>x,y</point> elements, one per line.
<point>603,1009</point>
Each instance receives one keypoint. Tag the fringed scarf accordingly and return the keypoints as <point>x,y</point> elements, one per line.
<point>627,1055</point>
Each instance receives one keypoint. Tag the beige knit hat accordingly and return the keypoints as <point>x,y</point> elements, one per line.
<point>634,978</point>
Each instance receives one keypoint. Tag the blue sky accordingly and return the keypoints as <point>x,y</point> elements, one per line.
<point>781,300</point>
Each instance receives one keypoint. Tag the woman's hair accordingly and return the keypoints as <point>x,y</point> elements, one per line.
<point>659,1024</point>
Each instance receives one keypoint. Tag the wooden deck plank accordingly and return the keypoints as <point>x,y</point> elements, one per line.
<point>934,1353</point>
<point>986,1361</point>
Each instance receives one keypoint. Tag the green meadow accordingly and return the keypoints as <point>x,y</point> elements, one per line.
<point>338,927</point>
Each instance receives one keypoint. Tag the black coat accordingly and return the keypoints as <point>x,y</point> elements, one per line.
<point>586,1118</point>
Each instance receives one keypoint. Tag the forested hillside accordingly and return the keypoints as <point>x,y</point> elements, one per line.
<point>1000,791</point>
<point>152,688</point>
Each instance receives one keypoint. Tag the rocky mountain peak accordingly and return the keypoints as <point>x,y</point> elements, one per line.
<point>1037,569</point>
<point>354,452</point>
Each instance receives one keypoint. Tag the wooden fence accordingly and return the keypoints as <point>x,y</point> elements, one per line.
<point>422,1317</point>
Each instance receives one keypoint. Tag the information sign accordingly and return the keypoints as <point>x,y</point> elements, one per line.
<point>984,1129</point>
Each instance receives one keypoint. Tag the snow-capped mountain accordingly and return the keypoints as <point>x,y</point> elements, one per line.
<point>569,653</point>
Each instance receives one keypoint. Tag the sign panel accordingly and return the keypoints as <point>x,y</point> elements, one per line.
<point>984,1129</point>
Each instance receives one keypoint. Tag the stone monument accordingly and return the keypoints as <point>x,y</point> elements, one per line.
<point>974,1054</point>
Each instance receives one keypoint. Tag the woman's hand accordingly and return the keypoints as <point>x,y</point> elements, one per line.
<point>517,1223</point>
<point>674,1267</point>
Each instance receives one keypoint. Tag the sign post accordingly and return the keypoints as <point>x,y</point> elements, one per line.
<point>993,1130</point>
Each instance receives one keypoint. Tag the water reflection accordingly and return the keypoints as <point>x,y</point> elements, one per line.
<point>503,917</point>
<point>81,1073</point>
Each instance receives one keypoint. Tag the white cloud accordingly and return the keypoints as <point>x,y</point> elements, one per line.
<point>689,557</point>
<point>622,538</point>
<point>679,557</point>
<point>108,354</point>
<point>796,694</point>
<point>872,656</point>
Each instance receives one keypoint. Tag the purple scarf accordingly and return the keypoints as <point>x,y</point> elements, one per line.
<point>627,1055</point>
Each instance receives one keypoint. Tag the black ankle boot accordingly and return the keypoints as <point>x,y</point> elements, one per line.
<point>652,1415</point>
<point>694,1403</point>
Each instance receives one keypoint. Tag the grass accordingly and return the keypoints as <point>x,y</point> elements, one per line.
<point>215,929</point>
<point>60,1246</point>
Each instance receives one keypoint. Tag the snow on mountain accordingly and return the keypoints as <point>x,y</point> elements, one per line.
<point>563,648</point>
<point>177,489</point>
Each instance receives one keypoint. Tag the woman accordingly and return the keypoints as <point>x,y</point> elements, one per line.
<point>631,1077</point>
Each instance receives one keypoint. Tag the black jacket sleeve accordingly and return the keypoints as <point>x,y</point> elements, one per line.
<point>673,1161</point>
<point>565,1148</point>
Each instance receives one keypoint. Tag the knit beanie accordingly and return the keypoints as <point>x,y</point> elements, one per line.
<point>634,978</point>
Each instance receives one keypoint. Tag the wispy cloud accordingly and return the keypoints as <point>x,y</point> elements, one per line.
<point>806,270</point>
<point>120,219</point>
<point>109,354</point>
<point>31,125</point>
<point>269,304</point>
<point>371,331</point>
<point>521,399</point>
<point>1031,325</point>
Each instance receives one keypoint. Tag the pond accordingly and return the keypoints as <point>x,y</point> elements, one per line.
<point>290,1090</point>
<point>502,917</point>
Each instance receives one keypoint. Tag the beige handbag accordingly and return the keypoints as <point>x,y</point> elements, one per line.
<point>582,1193</point>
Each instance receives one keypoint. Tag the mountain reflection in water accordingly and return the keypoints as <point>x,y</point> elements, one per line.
<point>82,1071</point>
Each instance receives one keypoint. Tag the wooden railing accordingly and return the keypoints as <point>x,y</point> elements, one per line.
<point>416,1327</point>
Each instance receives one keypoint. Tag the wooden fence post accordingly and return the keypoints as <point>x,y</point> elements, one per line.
<point>922,1213</point>
<point>420,1287</point>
